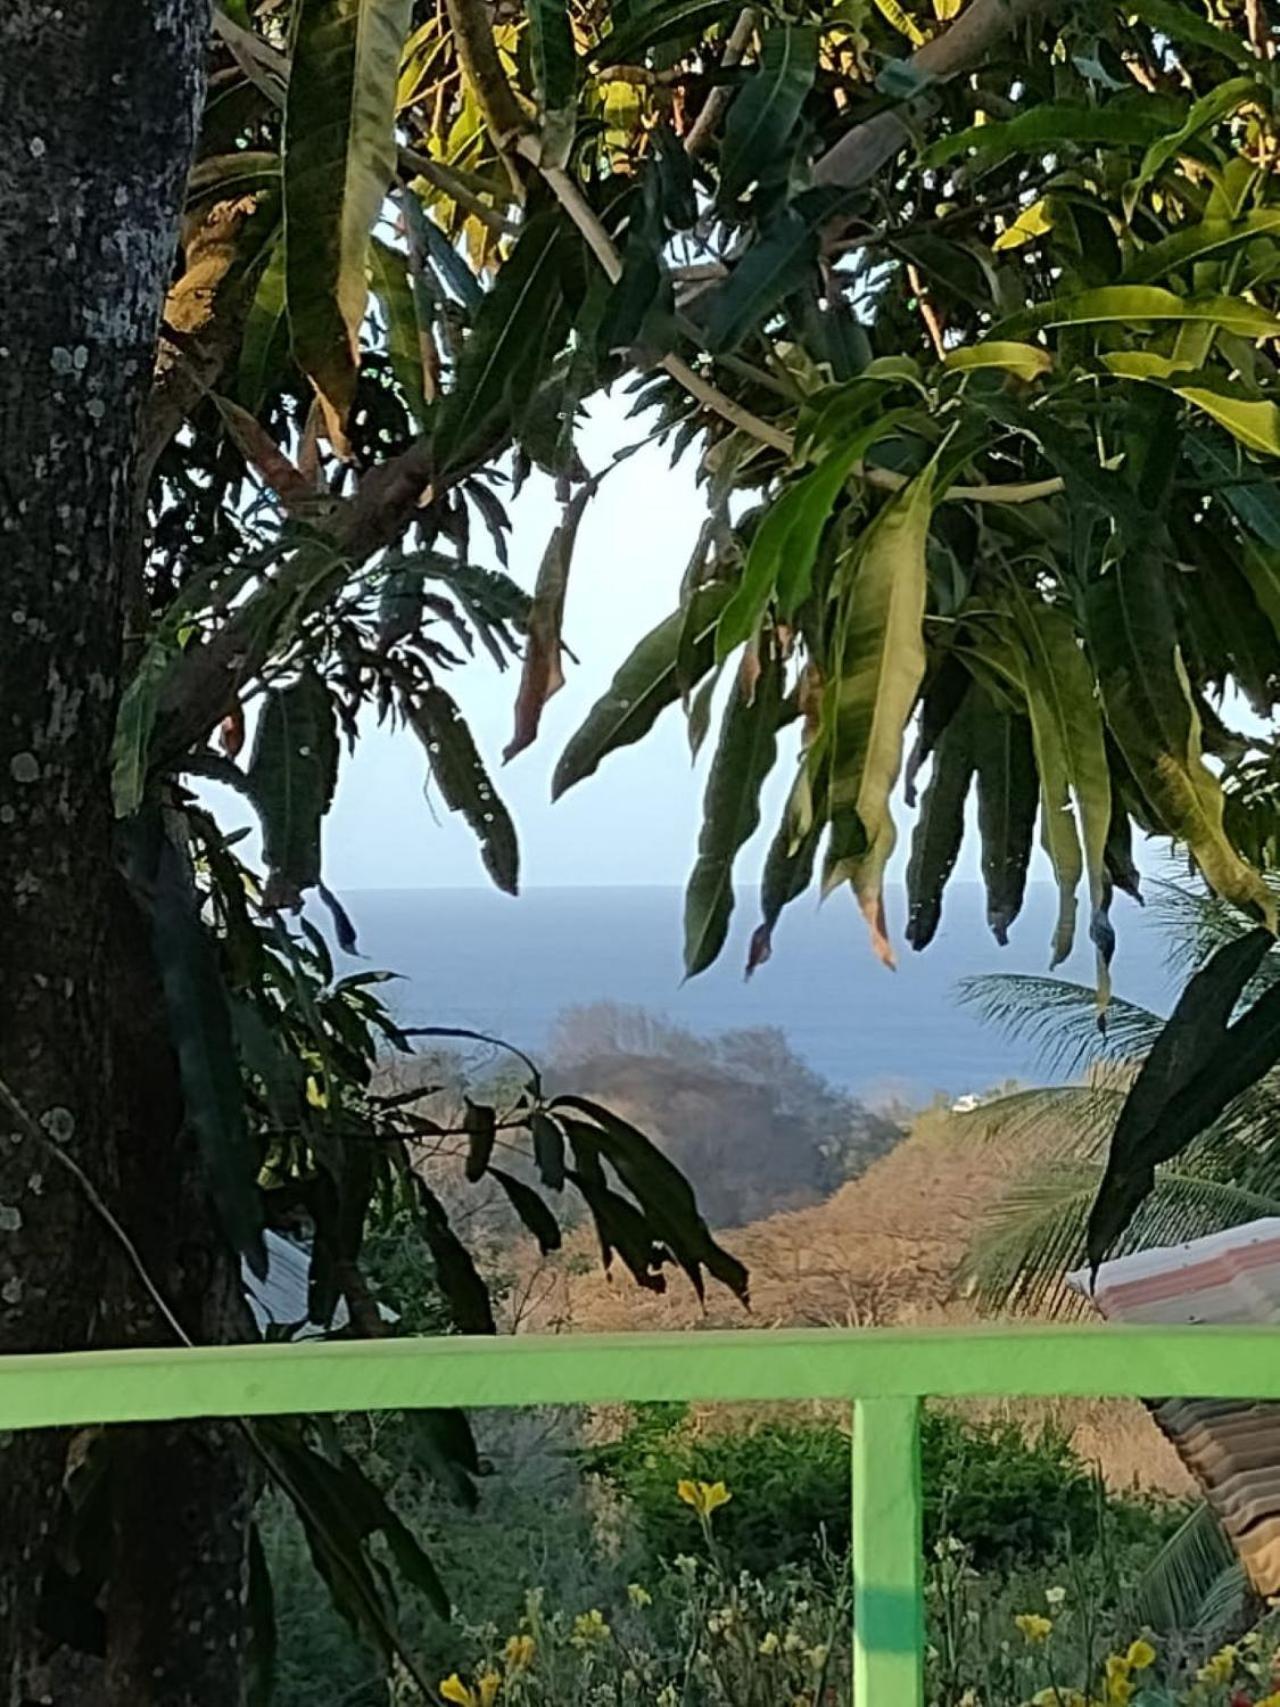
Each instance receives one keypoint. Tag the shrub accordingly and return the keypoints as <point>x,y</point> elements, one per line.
<point>1004,1495</point>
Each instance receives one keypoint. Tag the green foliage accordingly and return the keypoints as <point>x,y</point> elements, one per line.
<point>1002,1495</point>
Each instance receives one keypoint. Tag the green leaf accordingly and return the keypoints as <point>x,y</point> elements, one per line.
<point>1117,125</point>
<point>1152,715</point>
<point>653,25</point>
<point>939,831</point>
<point>464,783</point>
<point>339,161</point>
<point>519,323</point>
<point>1194,1049</point>
<point>260,1659</point>
<point>763,114</point>
<point>393,287</point>
<point>555,75</point>
<point>783,257</point>
<point>532,1211</point>
<point>199,1022</point>
<point>135,721</point>
<point>1209,110</point>
<point>621,1228</point>
<point>788,871</point>
<point>646,683</point>
<point>744,756</point>
<point>542,674</point>
<point>1192,243</point>
<point>1004,759</point>
<point>1255,422</point>
<point>879,666</point>
<point>1066,728</point>
<point>785,546</point>
<point>665,1196</point>
<point>292,774</point>
<point>1131,305</point>
<point>479,1122</point>
<point>1182,23</point>
<point>1028,361</point>
<point>264,345</point>
<point>456,1274</point>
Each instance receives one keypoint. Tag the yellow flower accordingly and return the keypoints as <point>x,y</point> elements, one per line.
<point>704,1497</point>
<point>769,1642</point>
<point>1119,1688</point>
<point>589,1629</point>
<point>455,1690</point>
<point>487,1686</point>
<point>518,1653</point>
<point>1141,1655</point>
<point>484,1694</point>
<point>1034,1627</point>
<point>1272,1700</point>
<point>1219,1668</point>
<point>639,1596</point>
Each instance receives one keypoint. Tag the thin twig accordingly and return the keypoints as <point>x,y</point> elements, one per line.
<point>703,127</point>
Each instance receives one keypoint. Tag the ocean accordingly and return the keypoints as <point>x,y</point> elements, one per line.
<point>478,959</point>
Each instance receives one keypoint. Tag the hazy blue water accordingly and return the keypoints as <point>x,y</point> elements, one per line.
<point>475,958</point>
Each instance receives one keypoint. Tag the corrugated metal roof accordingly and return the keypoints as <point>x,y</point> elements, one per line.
<point>279,1299</point>
<point>1231,1447</point>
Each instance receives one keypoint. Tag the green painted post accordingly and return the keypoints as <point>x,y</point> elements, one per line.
<point>888,1555</point>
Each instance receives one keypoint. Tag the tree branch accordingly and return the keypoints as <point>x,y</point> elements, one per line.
<point>703,127</point>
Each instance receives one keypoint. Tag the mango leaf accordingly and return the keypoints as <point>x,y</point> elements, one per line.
<point>646,683</point>
<point>621,1228</point>
<point>1152,715</point>
<point>517,325</point>
<point>785,545</point>
<point>200,1028</point>
<point>1004,760</point>
<point>479,1122</point>
<point>763,114</point>
<point>260,1658</point>
<point>531,1209</point>
<point>1132,304</point>
<point>339,160</point>
<point>650,26</point>
<point>555,76</point>
<point>1066,728</point>
<point>788,871</point>
<point>664,1195</point>
<point>939,831</point>
<point>1209,110</point>
<point>880,661</point>
<point>744,756</point>
<point>1193,243</point>
<point>464,783</point>
<point>1255,422</point>
<point>1187,24</point>
<point>292,774</point>
<point>1196,1065</point>
<point>543,674</point>
<point>780,259</point>
<point>1028,361</point>
<point>264,345</point>
<point>1117,124</point>
<point>456,1274</point>
<point>548,1149</point>
<point>393,288</point>
<point>1032,222</point>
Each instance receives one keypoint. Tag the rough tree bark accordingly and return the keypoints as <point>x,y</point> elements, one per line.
<point>98,107</point>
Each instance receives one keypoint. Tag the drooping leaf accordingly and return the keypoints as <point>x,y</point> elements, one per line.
<point>646,683</point>
<point>1152,716</point>
<point>1254,421</point>
<point>1004,759</point>
<point>555,75</point>
<point>393,287</point>
<point>1196,1055</point>
<point>459,1280</point>
<point>664,1194</point>
<point>744,757</point>
<point>548,1149</point>
<point>531,1209</point>
<point>763,115</point>
<point>1115,124</point>
<point>264,345</point>
<point>543,675</point>
<point>1193,243</point>
<point>652,25</point>
<point>880,663</point>
<point>939,831</point>
<point>780,259</point>
<point>200,1028</point>
<point>1028,361</point>
<point>339,160</point>
<point>464,784</point>
<point>1209,110</point>
<point>292,774</point>
<point>788,872</point>
<point>480,1125</point>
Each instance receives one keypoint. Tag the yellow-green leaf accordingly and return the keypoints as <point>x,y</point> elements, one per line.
<point>1028,361</point>
<point>1031,223</point>
<point>339,159</point>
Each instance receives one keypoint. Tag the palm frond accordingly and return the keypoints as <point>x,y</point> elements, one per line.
<point>1065,1121</point>
<point>1186,1576</point>
<point>1194,923</point>
<point>1060,1019</point>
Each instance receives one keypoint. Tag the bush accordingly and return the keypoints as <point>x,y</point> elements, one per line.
<point>1004,1495</point>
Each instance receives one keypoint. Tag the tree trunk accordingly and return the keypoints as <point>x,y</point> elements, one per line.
<point>98,107</point>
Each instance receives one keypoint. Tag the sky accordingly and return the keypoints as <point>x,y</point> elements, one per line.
<point>636,820</point>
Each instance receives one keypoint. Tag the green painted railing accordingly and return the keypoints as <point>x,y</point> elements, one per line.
<point>884,1373</point>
